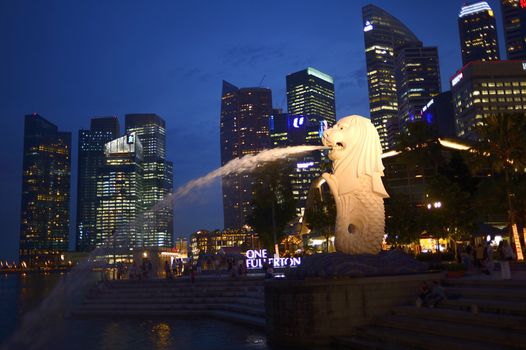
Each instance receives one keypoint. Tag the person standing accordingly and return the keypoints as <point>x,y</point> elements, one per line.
<point>167,270</point>
<point>505,255</point>
<point>488,258</point>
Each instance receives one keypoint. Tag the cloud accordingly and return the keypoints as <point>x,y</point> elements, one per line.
<point>251,55</point>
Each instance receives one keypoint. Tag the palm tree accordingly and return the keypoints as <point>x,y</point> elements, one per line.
<point>501,150</point>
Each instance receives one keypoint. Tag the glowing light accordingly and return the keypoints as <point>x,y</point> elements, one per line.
<point>298,121</point>
<point>523,4</point>
<point>368,26</point>
<point>428,105</point>
<point>389,154</point>
<point>517,242</point>
<point>304,165</point>
<point>321,75</point>
<point>456,79</point>
<point>475,8</point>
<point>455,145</point>
<point>145,254</point>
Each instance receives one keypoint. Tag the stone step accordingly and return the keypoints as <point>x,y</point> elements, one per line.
<point>361,343</point>
<point>124,284</point>
<point>505,294</point>
<point>138,308</point>
<point>184,300</point>
<point>448,315</point>
<point>415,340</point>
<point>489,335</point>
<point>485,283</point>
<point>166,294</point>
<point>485,305</point>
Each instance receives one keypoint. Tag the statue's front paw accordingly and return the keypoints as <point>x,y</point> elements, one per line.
<point>332,182</point>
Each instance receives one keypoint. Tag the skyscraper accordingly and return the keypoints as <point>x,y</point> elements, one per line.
<point>417,76</point>
<point>383,35</point>
<point>46,181</point>
<point>120,194</point>
<point>90,158</point>
<point>482,89</point>
<point>478,33</point>
<point>311,109</point>
<point>514,20</point>
<point>158,178</point>
<point>244,129</point>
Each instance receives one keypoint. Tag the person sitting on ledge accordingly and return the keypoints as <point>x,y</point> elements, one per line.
<point>436,295</point>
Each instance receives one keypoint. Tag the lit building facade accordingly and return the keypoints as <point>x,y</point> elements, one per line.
<point>480,89</point>
<point>46,178</point>
<point>157,178</point>
<point>478,33</point>
<point>244,129</point>
<point>417,76</point>
<point>90,158</point>
<point>514,19</point>
<point>383,35</point>
<point>311,110</point>
<point>210,242</point>
<point>120,195</point>
<point>181,245</point>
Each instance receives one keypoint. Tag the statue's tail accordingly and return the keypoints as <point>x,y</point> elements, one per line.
<point>360,224</point>
<point>360,220</point>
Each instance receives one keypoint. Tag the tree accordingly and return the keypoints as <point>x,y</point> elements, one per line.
<point>402,222</point>
<point>320,212</point>
<point>501,150</point>
<point>273,205</point>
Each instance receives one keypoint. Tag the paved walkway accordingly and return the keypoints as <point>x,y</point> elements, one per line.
<point>474,273</point>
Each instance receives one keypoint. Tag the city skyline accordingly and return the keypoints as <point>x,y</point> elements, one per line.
<point>152,82</point>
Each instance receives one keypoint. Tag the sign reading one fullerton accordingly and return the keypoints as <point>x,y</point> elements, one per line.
<point>256,258</point>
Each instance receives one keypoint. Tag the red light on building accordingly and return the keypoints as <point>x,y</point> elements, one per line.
<point>523,3</point>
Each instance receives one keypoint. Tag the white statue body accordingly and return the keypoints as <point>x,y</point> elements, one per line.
<point>356,185</point>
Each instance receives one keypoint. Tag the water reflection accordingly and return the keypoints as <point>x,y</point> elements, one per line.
<point>19,295</point>
<point>160,336</point>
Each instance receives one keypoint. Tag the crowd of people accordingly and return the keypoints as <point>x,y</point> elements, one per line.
<point>484,257</point>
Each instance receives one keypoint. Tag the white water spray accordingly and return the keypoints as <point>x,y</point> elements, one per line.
<point>35,329</point>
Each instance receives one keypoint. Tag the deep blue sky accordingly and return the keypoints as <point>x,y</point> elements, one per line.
<point>72,60</point>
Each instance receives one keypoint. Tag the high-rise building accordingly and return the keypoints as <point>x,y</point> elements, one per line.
<point>383,35</point>
<point>244,129</point>
<point>478,33</point>
<point>481,89</point>
<point>417,76</point>
<point>439,112</point>
<point>90,158</point>
<point>311,109</point>
<point>120,194</point>
<point>514,20</point>
<point>46,181</point>
<point>157,178</point>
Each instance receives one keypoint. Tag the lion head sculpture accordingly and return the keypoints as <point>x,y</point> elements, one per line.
<point>355,151</point>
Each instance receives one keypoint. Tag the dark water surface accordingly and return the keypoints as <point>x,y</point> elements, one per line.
<point>20,294</point>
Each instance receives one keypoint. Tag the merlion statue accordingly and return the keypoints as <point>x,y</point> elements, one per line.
<point>356,185</point>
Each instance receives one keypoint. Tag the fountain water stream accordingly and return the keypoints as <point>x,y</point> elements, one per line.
<point>37,325</point>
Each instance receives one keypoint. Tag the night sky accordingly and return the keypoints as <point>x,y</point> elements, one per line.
<point>70,61</point>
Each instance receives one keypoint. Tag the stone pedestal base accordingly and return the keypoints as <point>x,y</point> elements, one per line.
<point>308,312</point>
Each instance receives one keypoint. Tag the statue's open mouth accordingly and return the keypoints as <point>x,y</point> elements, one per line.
<point>338,146</point>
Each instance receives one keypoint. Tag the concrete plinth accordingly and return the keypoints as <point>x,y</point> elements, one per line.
<point>309,312</point>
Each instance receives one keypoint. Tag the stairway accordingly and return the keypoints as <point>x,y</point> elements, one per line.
<point>478,314</point>
<point>240,301</point>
